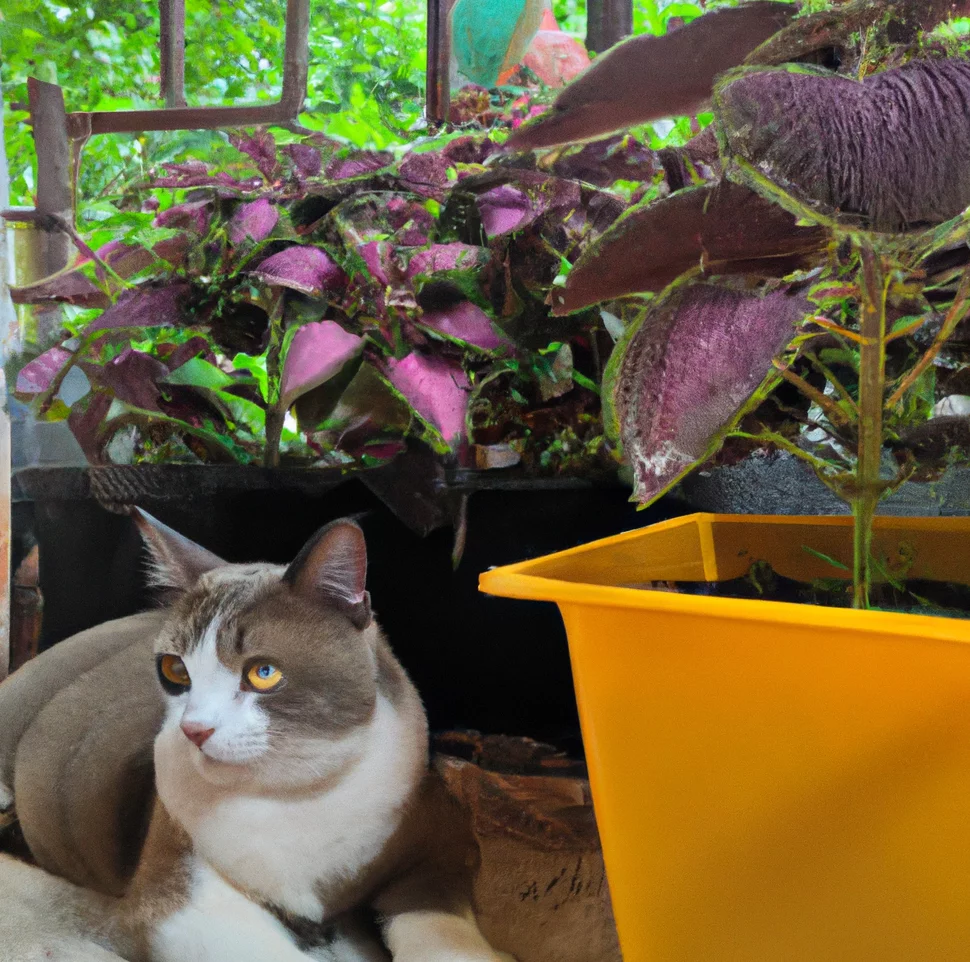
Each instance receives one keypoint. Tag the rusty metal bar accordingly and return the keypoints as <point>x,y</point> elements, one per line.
<point>287,109</point>
<point>438,96</point>
<point>172,30</point>
<point>607,23</point>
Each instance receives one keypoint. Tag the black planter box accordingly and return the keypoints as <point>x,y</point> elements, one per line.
<point>480,663</point>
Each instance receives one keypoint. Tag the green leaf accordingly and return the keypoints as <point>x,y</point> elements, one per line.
<point>199,372</point>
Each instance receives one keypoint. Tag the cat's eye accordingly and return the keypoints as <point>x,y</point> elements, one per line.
<point>173,673</point>
<point>263,676</point>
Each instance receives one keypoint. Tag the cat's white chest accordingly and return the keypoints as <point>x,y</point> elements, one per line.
<point>284,849</point>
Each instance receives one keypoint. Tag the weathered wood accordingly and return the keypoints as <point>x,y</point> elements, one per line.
<point>55,190</point>
<point>83,124</point>
<point>172,29</point>
<point>438,95</point>
<point>607,23</point>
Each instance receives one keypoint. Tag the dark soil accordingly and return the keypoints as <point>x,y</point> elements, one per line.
<point>763,583</point>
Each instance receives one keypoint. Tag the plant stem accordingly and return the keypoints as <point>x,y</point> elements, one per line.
<point>275,415</point>
<point>868,489</point>
<point>957,312</point>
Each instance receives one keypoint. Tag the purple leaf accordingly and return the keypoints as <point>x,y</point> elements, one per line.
<point>687,370</point>
<point>145,306</point>
<point>726,229</point>
<point>411,221</point>
<point>356,164</point>
<point>892,148</point>
<point>254,220</point>
<point>425,174</point>
<point>38,375</point>
<point>468,323</point>
<point>309,270</point>
<point>505,209</point>
<point>639,80</point>
<point>193,216</point>
<point>131,377</point>
<point>469,150</point>
<point>73,287</point>
<point>437,389</point>
<point>194,173</point>
<point>605,161</point>
<point>318,351</point>
<point>261,147</point>
<point>306,160</point>
<point>377,257</point>
<point>86,422</point>
<point>447,257</point>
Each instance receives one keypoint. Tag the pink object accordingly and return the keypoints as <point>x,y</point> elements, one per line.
<point>554,57</point>
<point>437,389</point>
<point>197,734</point>
<point>318,351</point>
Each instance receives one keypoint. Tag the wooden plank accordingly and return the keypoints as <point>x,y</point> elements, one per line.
<point>607,23</point>
<point>172,29</point>
<point>438,95</point>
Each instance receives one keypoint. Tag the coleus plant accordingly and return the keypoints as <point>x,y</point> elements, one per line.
<point>811,272</point>
<point>291,299</point>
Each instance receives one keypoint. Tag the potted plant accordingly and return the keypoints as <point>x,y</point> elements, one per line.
<point>776,779</point>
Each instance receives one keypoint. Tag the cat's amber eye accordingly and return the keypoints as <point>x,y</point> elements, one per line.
<point>263,676</point>
<point>172,669</point>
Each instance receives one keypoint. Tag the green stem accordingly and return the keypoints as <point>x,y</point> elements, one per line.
<point>275,415</point>
<point>868,489</point>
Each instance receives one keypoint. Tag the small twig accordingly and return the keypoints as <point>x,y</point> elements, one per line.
<point>957,312</point>
<point>834,328</point>
<point>826,372</point>
<point>835,414</point>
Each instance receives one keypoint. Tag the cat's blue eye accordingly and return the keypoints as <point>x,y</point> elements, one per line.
<point>265,671</point>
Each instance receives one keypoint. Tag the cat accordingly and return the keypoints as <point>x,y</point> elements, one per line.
<point>296,814</point>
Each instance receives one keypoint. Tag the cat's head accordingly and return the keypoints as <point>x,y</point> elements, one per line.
<point>270,673</point>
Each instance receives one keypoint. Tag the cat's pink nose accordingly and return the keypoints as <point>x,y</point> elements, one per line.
<point>197,734</point>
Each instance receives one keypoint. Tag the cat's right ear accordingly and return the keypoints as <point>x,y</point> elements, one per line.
<point>176,561</point>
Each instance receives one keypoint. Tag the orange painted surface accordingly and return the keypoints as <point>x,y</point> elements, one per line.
<point>773,782</point>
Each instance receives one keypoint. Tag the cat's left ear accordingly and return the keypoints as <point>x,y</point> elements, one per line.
<point>176,561</point>
<point>332,570</point>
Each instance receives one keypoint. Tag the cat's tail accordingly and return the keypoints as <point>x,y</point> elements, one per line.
<point>45,919</point>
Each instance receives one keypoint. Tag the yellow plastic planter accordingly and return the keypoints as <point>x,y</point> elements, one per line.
<point>772,782</point>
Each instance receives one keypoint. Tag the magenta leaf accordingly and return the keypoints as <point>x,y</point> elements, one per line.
<point>442,258</point>
<point>309,270</point>
<point>261,147</point>
<point>145,306</point>
<point>131,377</point>
<point>316,353</point>
<point>468,323</point>
<point>36,376</point>
<point>193,216</point>
<point>357,164</point>
<point>254,220</point>
<point>437,389</point>
<point>306,160</point>
<point>425,174</point>
<point>72,286</point>
<point>505,209</point>
<point>683,375</point>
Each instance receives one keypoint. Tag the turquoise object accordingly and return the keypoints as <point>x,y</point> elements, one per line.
<point>490,36</point>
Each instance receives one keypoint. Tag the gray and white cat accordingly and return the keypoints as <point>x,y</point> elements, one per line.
<point>296,815</point>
